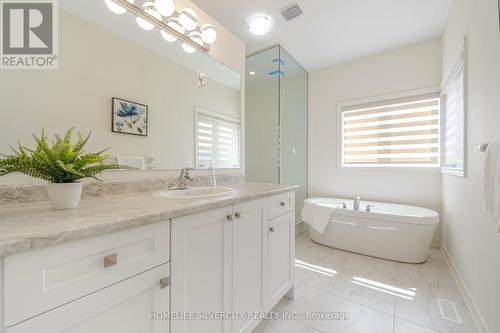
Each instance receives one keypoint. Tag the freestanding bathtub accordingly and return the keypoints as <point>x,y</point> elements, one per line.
<point>389,231</point>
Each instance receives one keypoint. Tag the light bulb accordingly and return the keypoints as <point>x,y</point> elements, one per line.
<point>208,33</point>
<point>188,19</point>
<point>165,7</point>
<point>149,9</point>
<point>174,24</point>
<point>188,48</point>
<point>115,8</point>
<point>260,24</point>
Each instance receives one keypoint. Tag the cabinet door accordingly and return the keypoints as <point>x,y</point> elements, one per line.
<point>201,270</point>
<point>249,262</point>
<point>281,237</point>
<point>125,307</point>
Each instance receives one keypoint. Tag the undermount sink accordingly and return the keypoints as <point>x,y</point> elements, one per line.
<point>194,193</point>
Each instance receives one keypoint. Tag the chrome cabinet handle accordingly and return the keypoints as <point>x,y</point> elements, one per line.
<point>110,260</point>
<point>271,229</point>
<point>237,215</point>
<point>283,204</point>
<point>165,282</point>
<point>229,217</point>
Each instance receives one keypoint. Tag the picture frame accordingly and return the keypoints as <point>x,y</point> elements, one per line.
<point>128,117</point>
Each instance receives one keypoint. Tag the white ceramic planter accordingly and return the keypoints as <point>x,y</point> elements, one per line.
<point>65,195</point>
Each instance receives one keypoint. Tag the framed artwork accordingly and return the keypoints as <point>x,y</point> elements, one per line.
<point>129,117</point>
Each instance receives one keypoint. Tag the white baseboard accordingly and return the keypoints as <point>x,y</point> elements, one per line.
<point>464,291</point>
<point>300,228</point>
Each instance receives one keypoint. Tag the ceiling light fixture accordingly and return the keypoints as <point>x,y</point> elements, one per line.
<point>150,16</point>
<point>260,24</point>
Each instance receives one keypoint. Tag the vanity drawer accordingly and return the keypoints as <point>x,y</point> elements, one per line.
<point>40,280</point>
<point>281,203</point>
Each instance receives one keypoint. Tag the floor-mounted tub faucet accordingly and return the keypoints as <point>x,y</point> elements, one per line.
<point>357,201</point>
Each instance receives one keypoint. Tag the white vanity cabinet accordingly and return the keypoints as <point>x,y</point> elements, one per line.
<point>201,269</point>
<point>125,307</point>
<point>281,249</point>
<point>110,283</point>
<point>223,262</point>
<point>249,267</point>
<point>204,272</point>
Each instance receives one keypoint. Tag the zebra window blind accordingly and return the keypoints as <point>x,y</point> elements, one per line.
<point>401,132</point>
<point>217,141</point>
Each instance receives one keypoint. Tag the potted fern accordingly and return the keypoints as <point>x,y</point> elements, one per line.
<point>61,163</point>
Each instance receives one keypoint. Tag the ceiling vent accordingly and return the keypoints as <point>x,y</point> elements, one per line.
<point>291,11</point>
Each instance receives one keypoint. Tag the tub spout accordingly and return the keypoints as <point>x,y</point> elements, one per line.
<point>356,203</point>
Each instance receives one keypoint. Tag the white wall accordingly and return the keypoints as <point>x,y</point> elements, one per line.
<point>412,67</point>
<point>469,237</point>
<point>79,94</point>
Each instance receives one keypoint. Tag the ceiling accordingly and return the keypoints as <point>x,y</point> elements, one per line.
<point>334,31</point>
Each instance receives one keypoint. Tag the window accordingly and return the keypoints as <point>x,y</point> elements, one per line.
<point>401,132</point>
<point>217,140</point>
<point>453,101</point>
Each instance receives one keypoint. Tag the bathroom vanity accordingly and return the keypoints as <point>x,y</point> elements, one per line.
<point>138,263</point>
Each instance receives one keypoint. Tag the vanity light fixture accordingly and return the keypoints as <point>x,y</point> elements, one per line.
<point>260,24</point>
<point>165,7</point>
<point>251,73</point>
<point>208,33</point>
<point>150,9</point>
<point>188,48</point>
<point>174,23</point>
<point>188,19</point>
<point>182,26</point>
<point>115,8</point>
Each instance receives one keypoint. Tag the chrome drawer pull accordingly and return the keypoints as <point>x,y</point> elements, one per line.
<point>110,260</point>
<point>283,204</point>
<point>229,217</point>
<point>165,282</point>
<point>271,229</point>
<point>238,215</point>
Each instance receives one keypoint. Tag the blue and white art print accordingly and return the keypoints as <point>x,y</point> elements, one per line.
<point>129,117</point>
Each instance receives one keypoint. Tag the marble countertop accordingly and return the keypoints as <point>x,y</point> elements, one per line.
<point>25,227</point>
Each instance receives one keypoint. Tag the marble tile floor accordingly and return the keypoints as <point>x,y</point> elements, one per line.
<point>380,296</point>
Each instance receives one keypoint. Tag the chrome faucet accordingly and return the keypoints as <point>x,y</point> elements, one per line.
<point>356,203</point>
<point>183,181</point>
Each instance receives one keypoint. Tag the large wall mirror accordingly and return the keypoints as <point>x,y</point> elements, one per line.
<point>157,88</point>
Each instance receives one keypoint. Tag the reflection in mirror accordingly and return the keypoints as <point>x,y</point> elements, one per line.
<point>136,92</point>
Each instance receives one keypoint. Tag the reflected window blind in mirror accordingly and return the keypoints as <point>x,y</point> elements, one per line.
<point>401,132</point>
<point>453,101</point>
<point>217,140</point>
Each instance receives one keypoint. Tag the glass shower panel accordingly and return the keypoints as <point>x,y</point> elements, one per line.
<point>276,121</point>
<point>293,127</point>
<point>262,117</point>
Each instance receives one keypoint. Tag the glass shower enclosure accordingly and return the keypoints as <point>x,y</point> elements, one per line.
<point>276,121</point>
